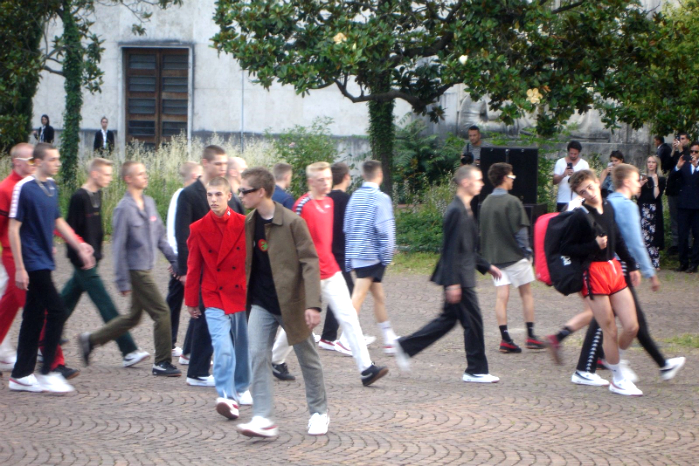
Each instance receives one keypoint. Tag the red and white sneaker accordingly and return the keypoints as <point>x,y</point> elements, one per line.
<point>227,408</point>
<point>259,427</point>
<point>326,345</point>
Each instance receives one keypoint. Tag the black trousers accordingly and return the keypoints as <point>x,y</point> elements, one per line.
<point>175,296</point>
<point>331,325</point>
<point>468,314</point>
<point>201,347</point>
<point>41,296</point>
<point>592,345</point>
<point>688,221</point>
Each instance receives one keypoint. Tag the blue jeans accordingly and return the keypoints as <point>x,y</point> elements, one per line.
<point>263,328</point>
<point>229,337</point>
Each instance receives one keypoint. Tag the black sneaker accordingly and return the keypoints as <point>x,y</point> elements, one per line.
<point>85,347</point>
<point>67,372</point>
<point>509,347</point>
<point>281,372</point>
<point>373,373</point>
<point>166,369</point>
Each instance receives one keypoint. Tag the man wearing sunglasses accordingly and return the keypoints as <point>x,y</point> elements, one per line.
<point>686,175</point>
<point>505,244</point>
<point>13,298</point>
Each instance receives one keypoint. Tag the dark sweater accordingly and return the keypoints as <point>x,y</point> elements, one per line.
<point>580,239</point>
<point>85,218</point>
<point>340,200</point>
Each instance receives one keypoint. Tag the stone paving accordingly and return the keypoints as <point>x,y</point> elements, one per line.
<point>534,416</point>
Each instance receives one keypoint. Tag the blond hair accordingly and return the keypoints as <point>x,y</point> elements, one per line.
<point>98,163</point>
<point>314,168</point>
<point>187,169</point>
<point>621,173</point>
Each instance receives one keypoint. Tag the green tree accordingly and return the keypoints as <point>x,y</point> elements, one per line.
<point>665,95</point>
<point>527,56</point>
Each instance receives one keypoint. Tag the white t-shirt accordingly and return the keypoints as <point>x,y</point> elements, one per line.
<point>565,195</point>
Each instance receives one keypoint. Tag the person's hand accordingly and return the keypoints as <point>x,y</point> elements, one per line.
<point>675,145</point>
<point>183,279</point>
<point>654,283</point>
<point>569,172</point>
<point>86,256</point>
<point>195,312</point>
<point>495,272</point>
<point>126,293</point>
<point>87,248</point>
<point>22,279</point>
<point>644,181</point>
<point>601,241</point>
<point>312,318</point>
<point>453,294</point>
<point>680,162</point>
<point>635,277</point>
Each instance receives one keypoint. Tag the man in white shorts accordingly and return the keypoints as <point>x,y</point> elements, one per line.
<point>505,244</point>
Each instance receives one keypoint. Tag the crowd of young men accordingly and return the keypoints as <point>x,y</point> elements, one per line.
<point>253,285</point>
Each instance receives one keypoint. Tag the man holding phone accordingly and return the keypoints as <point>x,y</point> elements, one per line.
<point>680,150</point>
<point>686,176</point>
<point>563,170</point>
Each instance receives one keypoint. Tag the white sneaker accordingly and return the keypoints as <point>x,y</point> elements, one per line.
<point>588,378</point>
<point>227,408</point>
<point>201,381</point>
<point>258,427</point>
<point>316,338</point>
<point>624,387</point>
<point>54,383</point>
<point>135,357</point>
<point>389,349</point>
<point>176,352</point>
<point>627,372</point>
<point>342,349</point>
<point>318,424</point>
<point>368,339</point>
<point>7,364</point>
<point>480,378</point>
<point>245,398</point>
<point>184,359</point>
<point>326,345</point>
<point>25,384</point>
<point>402,359</point>
<point>672,366</point>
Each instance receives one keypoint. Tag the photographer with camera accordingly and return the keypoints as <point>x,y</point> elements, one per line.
<point>680,150</point>
<point>684,176</point>
<point>563,170</point>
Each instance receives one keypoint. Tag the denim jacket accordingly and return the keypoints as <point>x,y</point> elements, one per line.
<point>628,221</point>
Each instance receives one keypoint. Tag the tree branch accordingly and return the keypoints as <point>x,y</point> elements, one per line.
<point>52,71</point>
<point>568,7</point>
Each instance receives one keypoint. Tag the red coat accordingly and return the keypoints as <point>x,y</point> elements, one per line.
<point>221,256</point>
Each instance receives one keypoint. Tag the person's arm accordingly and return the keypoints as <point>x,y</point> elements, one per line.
<point>560,171</point>
<point>76,214</point>
<point>194,266</point>
<point>182,221</point>
<point>120,231</point>
<point>72,239</point>
<point>308,259</point>
<point>163,244</point>
<point>21,277</point>
<point>96,144</point>
<point>450,249</point>
<point>385,229</point>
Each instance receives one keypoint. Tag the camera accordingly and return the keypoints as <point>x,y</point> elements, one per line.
<point>467,158</point>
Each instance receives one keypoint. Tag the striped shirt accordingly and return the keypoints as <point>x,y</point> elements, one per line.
<point>370,228</point>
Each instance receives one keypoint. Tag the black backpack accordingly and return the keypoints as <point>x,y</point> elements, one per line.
<point>566,272</point>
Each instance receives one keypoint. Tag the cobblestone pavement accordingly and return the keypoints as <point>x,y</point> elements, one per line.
<point>535,415</point>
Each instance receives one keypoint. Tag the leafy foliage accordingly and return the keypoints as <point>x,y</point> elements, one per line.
<point>421,160</point>
<point>301,146</point>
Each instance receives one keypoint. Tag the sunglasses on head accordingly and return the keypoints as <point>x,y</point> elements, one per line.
<point>29,160</point>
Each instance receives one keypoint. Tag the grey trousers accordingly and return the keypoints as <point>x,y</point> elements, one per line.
<point>262,328</point>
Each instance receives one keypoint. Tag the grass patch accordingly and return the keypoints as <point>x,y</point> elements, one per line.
<point>688,340</point>
<point>414,263</point>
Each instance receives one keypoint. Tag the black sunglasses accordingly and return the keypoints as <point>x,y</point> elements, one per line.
<point>243,192</point>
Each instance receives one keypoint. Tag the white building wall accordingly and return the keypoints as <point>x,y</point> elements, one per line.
<point>216,89</point>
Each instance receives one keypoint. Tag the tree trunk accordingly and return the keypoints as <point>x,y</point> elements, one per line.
<point>382,132</point>
<point>73,73</point>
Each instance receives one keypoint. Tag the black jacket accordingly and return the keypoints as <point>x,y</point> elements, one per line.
<point>664,153</point>
<point>688,186</point>
<point>48,134</point>
<point>99,142</point>
<point>192,206</point>
<point>460,257</point>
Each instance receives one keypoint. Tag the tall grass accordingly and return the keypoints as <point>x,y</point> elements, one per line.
<point>162,166</point>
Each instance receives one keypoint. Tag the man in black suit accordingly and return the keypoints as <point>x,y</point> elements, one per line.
<point>686,175</point>
<point>680,149</point>
<point>456,273</point>
<point>664,153</point>
<point>104,138</point>
<point>192,205</point>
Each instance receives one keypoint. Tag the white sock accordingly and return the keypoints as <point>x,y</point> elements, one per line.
<point>617,376</point>
<point>388,335</point>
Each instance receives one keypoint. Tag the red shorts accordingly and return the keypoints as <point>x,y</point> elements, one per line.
<point>603,278</point>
